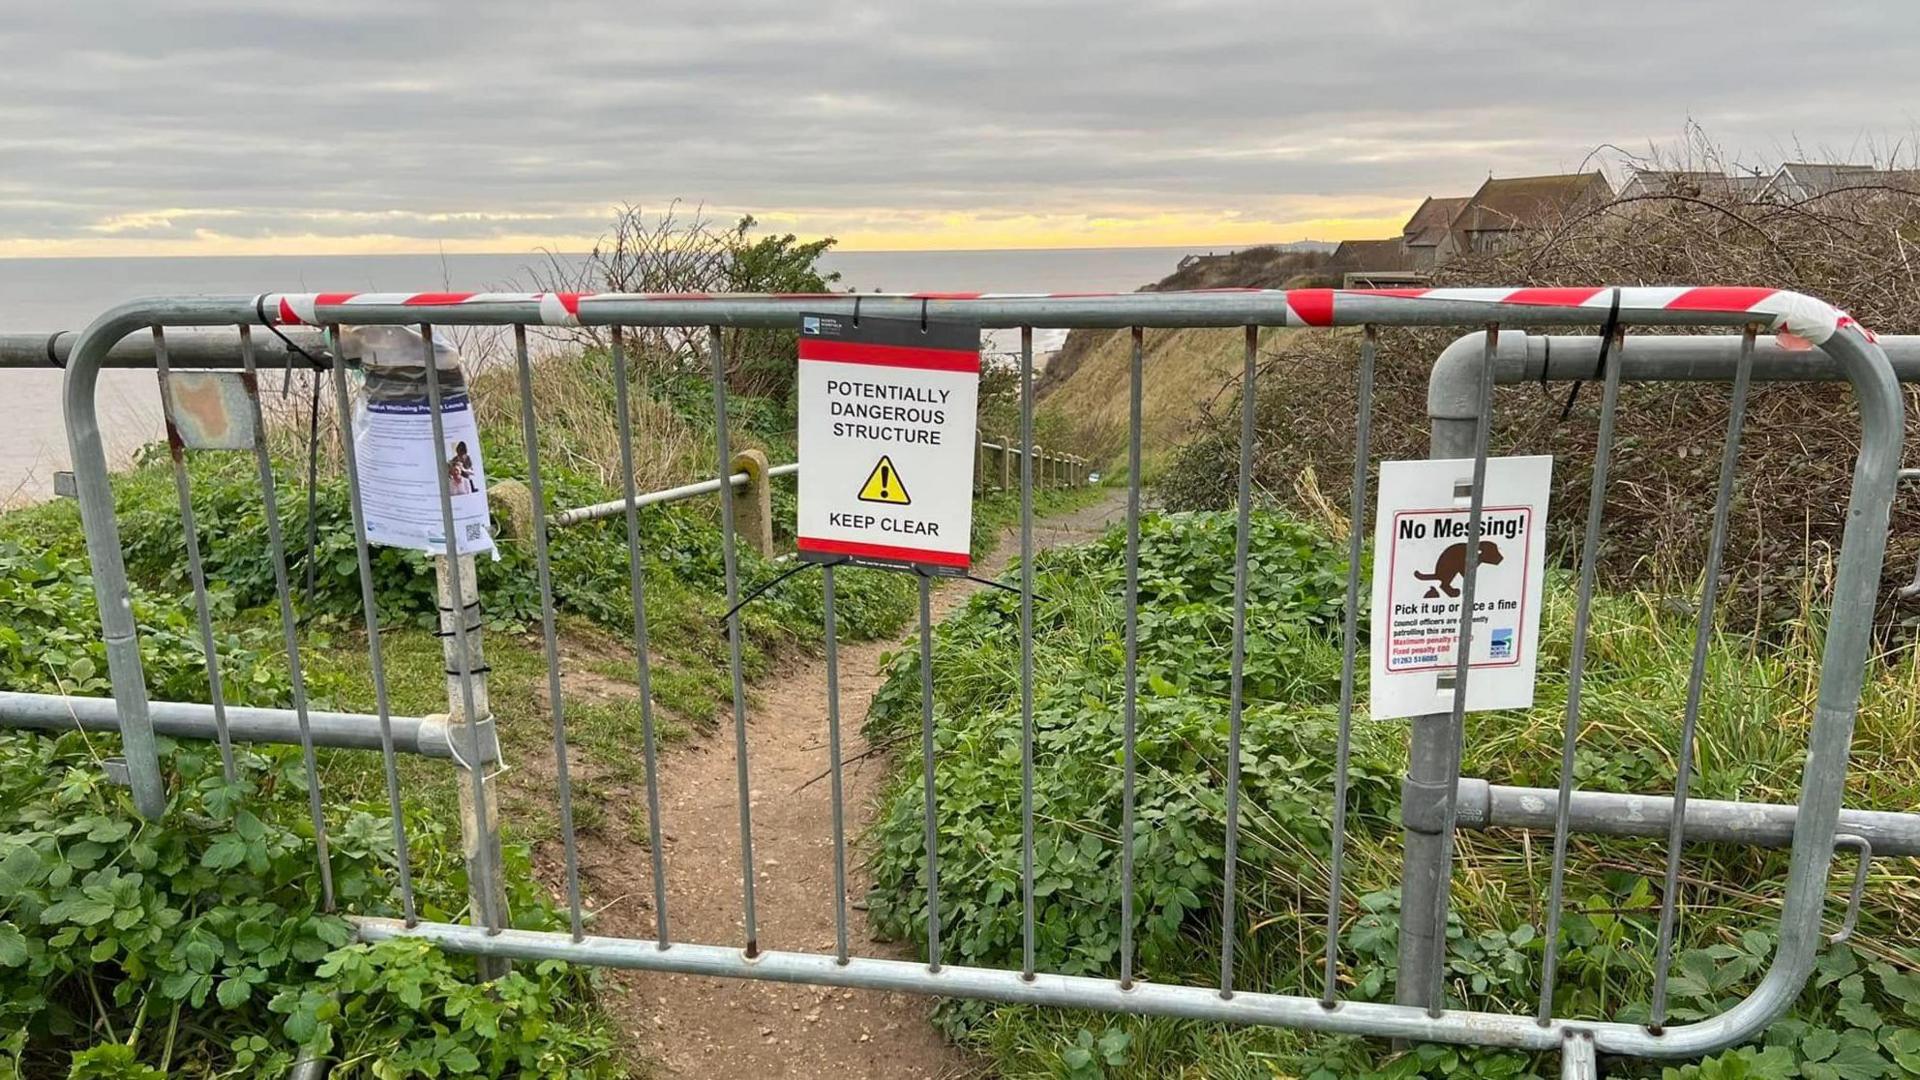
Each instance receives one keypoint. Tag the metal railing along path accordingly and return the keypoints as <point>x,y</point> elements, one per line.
<point>1847,349</point>
<point>596,511</point>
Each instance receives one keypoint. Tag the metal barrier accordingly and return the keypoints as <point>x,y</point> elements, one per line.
<point>1420,1014</point>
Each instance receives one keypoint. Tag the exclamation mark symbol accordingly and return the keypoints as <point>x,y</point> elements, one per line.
<point>886,477</point>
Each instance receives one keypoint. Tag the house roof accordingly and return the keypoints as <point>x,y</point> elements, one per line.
<point>1428,225</point>
<point>1818,178</point>
<point>1525,202</point>
<point>1687,182</point>
<point>1370,255</point>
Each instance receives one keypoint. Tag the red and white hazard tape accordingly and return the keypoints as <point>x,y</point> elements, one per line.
<point>1787,312</point>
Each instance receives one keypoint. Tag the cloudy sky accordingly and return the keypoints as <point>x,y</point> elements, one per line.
<point>212,126</point>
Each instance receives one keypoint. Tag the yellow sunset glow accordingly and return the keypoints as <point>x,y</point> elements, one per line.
<point>876,230</point>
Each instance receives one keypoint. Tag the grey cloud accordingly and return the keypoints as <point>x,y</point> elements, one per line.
<point>359,116</point>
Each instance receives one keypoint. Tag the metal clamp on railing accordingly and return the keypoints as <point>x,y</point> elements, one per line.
<point>1852,918</point>
<point>1912,588</point>
<point>449,732</point>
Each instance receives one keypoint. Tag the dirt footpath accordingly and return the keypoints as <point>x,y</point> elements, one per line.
<point>742,1028</point>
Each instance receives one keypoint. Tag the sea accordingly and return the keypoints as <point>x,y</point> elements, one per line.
<point>40,296</point>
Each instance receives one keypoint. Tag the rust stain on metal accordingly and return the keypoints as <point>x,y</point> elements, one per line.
<point>210,410</point>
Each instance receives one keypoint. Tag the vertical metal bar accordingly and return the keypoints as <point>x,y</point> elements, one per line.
<point>1026,653</point>
<point>289,627</point>
<point>487,895</point>
<point>1128,766</point>
<point>1424,788</point>
<point>1696,680</point>
<point>1350,637</point>
<point>1463,650</point>
<point>1576,675</point>
<point>833,772</point>
<point>370,609</point>
<point>549,637</point>
<point>1242,539</point>
<point>196,572</point>
<point>729,558</point>
<point>926,773</point>
<point>637,585</point>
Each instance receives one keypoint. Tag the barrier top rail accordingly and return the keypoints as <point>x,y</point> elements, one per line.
<point>1801,319</point>
<point>1803,316</point>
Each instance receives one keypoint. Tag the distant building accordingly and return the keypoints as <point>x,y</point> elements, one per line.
<point>1504,209</point>
<point>1707,185</point>
<point>1797,181</point>
<point>1372,264</point>
<point>1428,234</point>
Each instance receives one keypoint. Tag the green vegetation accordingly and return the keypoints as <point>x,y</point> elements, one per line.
<point>1860,1018</point>
<point>197,946</point>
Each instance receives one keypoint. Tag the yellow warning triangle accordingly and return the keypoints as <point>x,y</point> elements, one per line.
<point>883,485</point>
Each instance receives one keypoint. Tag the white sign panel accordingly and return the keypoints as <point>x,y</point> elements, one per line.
<point>887,415</point>
<point>1419,568</point>
<point>399,474</point>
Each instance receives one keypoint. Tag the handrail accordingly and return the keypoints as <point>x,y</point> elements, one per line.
<point>600,510</point>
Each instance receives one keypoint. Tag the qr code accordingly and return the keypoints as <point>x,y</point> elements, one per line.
<point>476,532</point>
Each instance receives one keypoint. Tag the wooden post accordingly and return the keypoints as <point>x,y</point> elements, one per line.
<point>475,835</point>
<point>753,502</point>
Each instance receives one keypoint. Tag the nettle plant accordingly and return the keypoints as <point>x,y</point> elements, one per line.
<point>196,945</point>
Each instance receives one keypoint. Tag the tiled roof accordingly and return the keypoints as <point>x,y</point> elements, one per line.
<point>1428,225</point>
<point>1523,202</point>
<point>1370,255</point>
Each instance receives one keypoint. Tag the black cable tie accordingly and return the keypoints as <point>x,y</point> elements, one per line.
<point>856,309</point>
<point>1002,586</point>
<point>53,355</point>
<point>471,605</point>
<point>923,315</point>
<point>759,591</point>
<point>472,669</point>
<point>286,380</point>
<point>1607,331</point>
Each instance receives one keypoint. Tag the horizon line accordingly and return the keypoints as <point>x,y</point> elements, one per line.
<point>538,252</point>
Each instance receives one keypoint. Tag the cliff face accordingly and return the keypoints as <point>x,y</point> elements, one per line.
<point>1085,385</point>
<point>1269,267</point>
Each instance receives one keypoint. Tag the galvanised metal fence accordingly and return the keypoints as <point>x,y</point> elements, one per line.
<point>1419,1014</point>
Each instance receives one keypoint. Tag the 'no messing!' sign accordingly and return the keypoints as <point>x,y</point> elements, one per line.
<point>887,411</point>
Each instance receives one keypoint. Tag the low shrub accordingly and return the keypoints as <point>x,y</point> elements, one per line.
<point>1856,1020</point>
<point>197,946</point>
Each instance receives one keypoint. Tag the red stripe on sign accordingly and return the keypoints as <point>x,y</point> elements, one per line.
<point>1314,306</point>
<point>287,316</point>
<point>1572,297</point>
<point>945,296</point>
<point>435,299</point>
<point>851,352</point>
<point>1404,294</point>
<point>884,551</point>
<point>1719,298</point>
<point>570,302</point>
<point>327,299</point>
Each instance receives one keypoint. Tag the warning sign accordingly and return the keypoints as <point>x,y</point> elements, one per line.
<point>887,414</point>
<point>883,485</point>
<point>1421,548</point>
